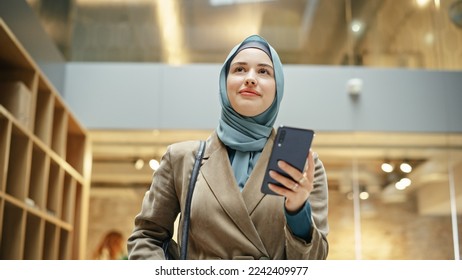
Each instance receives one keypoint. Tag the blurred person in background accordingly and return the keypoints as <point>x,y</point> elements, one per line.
<point>111,247</point>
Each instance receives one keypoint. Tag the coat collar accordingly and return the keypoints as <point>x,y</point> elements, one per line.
<point>218,174</point>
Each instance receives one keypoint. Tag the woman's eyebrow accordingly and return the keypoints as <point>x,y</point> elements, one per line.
<point>265,65</point>
<point>239,63</point>
<point>259,64</point>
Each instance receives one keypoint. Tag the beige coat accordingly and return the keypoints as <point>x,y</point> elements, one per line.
<point>225,223</point>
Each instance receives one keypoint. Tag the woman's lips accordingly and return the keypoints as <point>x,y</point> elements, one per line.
<point>249,92</point>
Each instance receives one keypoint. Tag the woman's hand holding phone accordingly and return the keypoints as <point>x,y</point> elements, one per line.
<point>290,169</point>
<point>296,188</point>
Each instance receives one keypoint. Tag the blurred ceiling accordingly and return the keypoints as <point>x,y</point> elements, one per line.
<point>203,31</point>
<point>303,32</point>
<point>186,31</point>
<point>397,33</point>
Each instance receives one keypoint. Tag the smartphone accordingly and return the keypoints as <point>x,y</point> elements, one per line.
<point>291,145</point>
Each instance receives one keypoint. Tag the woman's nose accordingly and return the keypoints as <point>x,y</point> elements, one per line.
<point>250,80</point>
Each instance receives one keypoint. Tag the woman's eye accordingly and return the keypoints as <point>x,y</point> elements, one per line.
<point>239,69</point>
<point>264,71</point>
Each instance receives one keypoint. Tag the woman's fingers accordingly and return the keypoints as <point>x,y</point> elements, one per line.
<point>283,180</point>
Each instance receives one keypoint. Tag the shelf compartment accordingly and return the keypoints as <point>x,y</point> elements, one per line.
<point>5,136</point>
<point>55,189</point>
<point>17,99</point>
<point>19,164</point>
<point>18,89</point>
<point>65,245</point>
<point>28,77</point>
<point>13,232</point>
<point>44,114</point>
<point>68,201</point>
<point>40,171</point>
<point>35,226</point>
<point>59,132</point>
<point>76,146</point>
<point>78,216</point>
<point>50,244</point>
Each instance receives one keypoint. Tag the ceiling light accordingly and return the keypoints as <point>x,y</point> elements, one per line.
<point>422,3</point>
<point>364,195</point>
<point>349,196</point>
<point>356,26</point>
<point>403,184</point>
<point>429,38</point>
<point>139,163</point>
<point>154,164</point>
<point>387,167</point>
<point>172,31</point>
<point>437,4</point>
<point>405,167</point>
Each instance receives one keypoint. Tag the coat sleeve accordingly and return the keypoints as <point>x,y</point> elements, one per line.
<point>318,248</point>
<point>154,224</point>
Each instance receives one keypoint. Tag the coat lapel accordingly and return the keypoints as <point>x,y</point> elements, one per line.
<point>224,187</point>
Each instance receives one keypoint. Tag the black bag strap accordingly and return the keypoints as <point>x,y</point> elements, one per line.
<point>187,208</point>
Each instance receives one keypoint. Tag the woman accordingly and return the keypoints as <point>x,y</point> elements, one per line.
<point>230,217</point>
<point>111,247</point>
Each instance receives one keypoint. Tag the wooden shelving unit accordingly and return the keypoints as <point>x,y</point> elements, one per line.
<point>45,163</point>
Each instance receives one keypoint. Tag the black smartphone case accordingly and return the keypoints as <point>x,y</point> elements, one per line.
<point>291,145</point>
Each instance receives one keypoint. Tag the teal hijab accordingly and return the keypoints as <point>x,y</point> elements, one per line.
<point>246,136</point>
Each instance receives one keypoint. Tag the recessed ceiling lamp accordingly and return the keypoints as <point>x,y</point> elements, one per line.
<point>422,3</point>
<point>363,195</point>
<point>139,163</point>
<point>405,167</point>
<point>387,167</point>
<point>171,31</point>
<point>154,164</point>
<point>356,26</point>
<point>403,184</point>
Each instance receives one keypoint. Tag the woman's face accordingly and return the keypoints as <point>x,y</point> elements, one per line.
<point>250,84</point>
